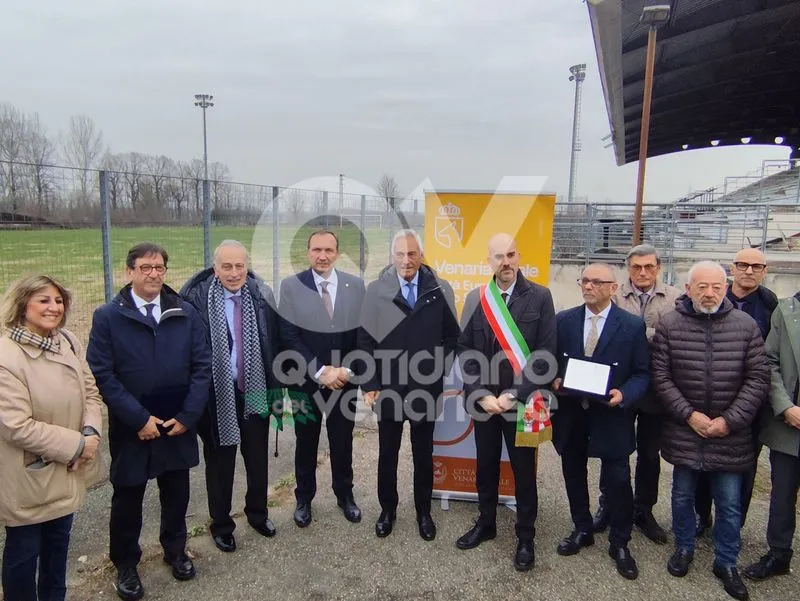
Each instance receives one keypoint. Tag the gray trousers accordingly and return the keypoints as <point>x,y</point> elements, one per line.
<point>785,475</point>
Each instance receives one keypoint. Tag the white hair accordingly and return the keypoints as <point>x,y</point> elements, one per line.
<point>231,244</point>
<point>706,265</point>
<point>407,234</point>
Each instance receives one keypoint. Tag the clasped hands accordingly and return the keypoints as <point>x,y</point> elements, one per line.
<point>90,446</point>
<point>150,429</point>
<point>494,405</point>
<point>706,427</point>
<point>334,378</point>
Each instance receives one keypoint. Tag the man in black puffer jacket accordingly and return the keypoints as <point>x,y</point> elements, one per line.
<point>710,372</point>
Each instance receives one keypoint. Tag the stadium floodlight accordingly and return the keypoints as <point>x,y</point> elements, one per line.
<point>715,142</point>
<point>685,147</point>
<point>746,140</point>
<point>655,15</point>
<point>779,140</point>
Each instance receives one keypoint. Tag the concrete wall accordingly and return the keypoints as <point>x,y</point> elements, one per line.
<point>566,292</point>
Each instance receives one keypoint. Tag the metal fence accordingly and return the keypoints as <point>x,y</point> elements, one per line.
<point>78,225</point>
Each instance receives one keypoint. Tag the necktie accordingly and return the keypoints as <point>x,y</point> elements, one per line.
<point>149,308</point>
<point>411,298</point>
<point>326,298</point>
<point>643,298</point>
<point>504,296</point>
<point>591,340</point>
<point>237,341</point>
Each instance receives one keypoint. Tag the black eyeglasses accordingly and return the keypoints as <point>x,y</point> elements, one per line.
<point>756,267</point>
<point>595,282</point>
<point>148,269</point>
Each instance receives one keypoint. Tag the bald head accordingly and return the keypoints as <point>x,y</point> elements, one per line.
<point>748,270</point>
<point>503,259</point>
<point>598,284</point>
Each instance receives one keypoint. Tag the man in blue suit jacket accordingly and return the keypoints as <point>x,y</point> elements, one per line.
<point>586,426</point>
<point>320,309</point>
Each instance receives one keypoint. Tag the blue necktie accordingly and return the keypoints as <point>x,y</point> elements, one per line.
<point>411,299</point>
<point>149,308</point>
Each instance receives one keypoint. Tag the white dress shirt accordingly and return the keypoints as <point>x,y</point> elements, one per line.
<point>140,304</point>
<point>510,290</point>
<point>587,323</point>
<point>333,284</point>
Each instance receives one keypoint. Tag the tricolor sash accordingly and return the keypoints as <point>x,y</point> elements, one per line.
<point>533,415</point>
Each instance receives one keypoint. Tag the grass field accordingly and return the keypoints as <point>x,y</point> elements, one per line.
<point>75,257</point>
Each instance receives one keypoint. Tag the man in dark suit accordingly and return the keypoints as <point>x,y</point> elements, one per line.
<point>492,397</point>
<point>240,319</point>
<point>320,310</point>
<point>586,426</point>
<point>410,329</point>
<point>149,354</point>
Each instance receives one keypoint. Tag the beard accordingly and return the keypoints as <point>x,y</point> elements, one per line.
<point>705,310</point>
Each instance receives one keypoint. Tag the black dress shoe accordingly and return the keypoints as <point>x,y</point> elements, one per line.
<point>302,514</point>
<point>264,528</point>
<point>626,565</point>
<point>601,519</point>
<point>523,557</point>
<point>129,587</point>
<point>351,511</point>
<point>427,529</point>
<point>383,527</point>
<point>574,542</point>
<point>678,564</point>
<point>182,567</point>
<point>649,527</point>
<point>702,524</point>
<point>769,565</point>
<point>475,536</point>
<point>225,542</point>
<point>731,581</point>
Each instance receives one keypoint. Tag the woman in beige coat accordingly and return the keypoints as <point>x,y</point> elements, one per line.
<point>50,423</point>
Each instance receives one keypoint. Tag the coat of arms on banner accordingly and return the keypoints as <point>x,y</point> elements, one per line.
<point>533,422</point>
<point>449,226</point>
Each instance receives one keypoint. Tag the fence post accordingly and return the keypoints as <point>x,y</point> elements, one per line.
<point>765,209</point>
<point>206,223</point>
<point>362,257</point>
<point>276,264</point>
<point>325,223</point>
<point>105,227</point>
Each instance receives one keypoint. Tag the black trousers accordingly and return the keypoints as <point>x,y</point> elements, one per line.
<point>785,474</point>
<point>339,423</point>
<point>221,465</point>
<point>619,493</point>
<point>390,435</point>
<point>489,437</point>
<point>703,498</point>
<point>126,518</point>
<point>648,463</point>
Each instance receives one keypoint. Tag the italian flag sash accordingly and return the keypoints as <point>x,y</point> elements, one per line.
<point>533,415</point>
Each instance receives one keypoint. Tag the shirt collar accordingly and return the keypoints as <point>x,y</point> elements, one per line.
<point>510,290</point>
<point>640,292</point>
<point>140,302</point>
<point>603,314</point>
<point>333,279</point>
<point>229,294</point>
<point>414,281</point>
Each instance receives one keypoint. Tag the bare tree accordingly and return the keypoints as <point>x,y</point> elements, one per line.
<point>114,164</point>
<point>295,203</point>
<point>39,152</point>
<point>160,168</point>
<point>388,189</point>
<point>133,176</point>
<point>12,137</point>
<point>82,148</point>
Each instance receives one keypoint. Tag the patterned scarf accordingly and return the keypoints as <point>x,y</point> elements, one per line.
<point>23,335</point>
<point>256,397</point>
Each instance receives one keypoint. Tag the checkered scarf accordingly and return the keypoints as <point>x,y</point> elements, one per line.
<point>23,335</point>
<point>256,397</point>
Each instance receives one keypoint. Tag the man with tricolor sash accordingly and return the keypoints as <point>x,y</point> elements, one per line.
<point>507,352</point>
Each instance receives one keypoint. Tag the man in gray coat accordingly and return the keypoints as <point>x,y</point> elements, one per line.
<point>781,433</point>
<point>711,374</point>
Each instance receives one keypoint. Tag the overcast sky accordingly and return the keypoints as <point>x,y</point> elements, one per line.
<point>459,92</point>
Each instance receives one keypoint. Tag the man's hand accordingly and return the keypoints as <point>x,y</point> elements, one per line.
<point>90,446</point>
<point>505,401</point>
<point>615,397</point>
<point>77,464</point>
<point>792,417</point>
<point>333,377</point>
<point>718,428</point>
<point>175,427</point>
<point>699,422</point>
<point>491,404</point>
<point>150,429</point>
<point>370,397</point>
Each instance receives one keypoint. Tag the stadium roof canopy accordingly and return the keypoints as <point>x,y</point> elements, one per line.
<point>724,70</point>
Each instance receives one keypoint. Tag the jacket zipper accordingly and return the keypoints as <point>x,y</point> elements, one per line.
<point>708,387</point>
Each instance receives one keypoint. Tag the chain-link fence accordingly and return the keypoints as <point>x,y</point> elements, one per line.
<point>78,226</point>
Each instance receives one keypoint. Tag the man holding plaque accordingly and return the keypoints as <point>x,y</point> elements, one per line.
<point>605,371</point>
<point>512,319</point>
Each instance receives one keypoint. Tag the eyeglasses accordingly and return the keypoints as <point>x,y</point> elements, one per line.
<point>148,269</point>
<point>595,283</point>
<point>637,268</point>
<point>756,267</point>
